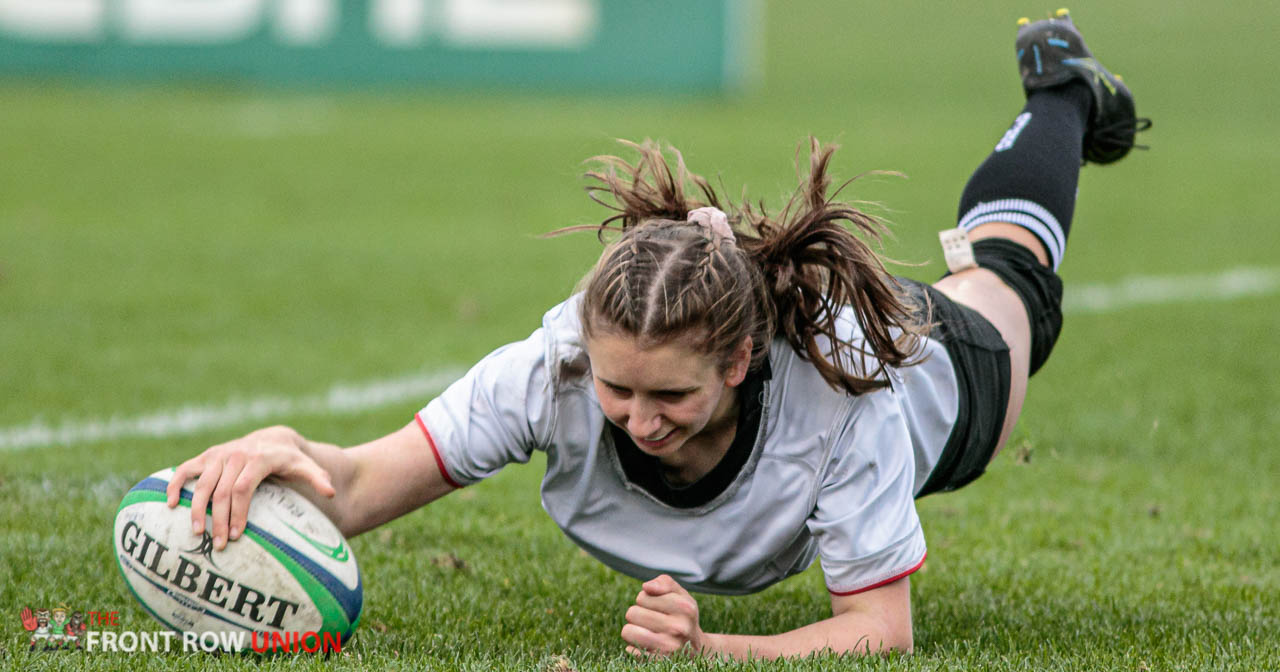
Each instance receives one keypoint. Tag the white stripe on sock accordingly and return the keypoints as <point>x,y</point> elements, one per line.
<point>1027,222</point>
<point>1057,239</point>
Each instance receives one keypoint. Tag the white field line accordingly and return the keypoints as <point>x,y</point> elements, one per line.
<point>340,399</point>
<point>1146,290</point>
<point>345,399</point>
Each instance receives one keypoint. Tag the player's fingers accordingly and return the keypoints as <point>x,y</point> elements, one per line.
<point>222,494</point>
<point>184,472</point>
<point>669,603</point>
<point>201,493</point>
<point>242,494</point>
<point>679,626</point>
<point>315,475</point>
<point>650,642</point>
<point>661,584</point>
<point>658,622</point>
<point>641,654</point>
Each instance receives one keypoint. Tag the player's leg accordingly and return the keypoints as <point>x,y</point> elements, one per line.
<point>1017,209</point>
<point>1017,206</point>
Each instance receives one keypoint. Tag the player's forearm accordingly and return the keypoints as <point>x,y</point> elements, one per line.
<point>359,502</point>
<point>378,481</point>
<point>342,471</point>
<point>862,633</point>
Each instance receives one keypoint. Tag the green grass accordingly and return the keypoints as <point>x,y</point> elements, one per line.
<point>171,246</point>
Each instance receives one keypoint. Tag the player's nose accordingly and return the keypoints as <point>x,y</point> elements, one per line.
<point>643,421</point>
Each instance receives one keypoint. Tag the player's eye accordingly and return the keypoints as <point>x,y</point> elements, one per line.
<point>672,395</point>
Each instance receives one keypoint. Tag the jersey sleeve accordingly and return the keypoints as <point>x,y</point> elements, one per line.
<point>865,518</point>
<point>499,412</point>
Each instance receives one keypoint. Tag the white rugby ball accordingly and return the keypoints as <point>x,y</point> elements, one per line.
<point>291,570</point>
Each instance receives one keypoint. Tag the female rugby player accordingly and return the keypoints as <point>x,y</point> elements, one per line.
<point>732,395</point>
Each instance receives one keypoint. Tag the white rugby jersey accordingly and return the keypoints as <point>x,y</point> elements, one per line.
<point>824,473</point>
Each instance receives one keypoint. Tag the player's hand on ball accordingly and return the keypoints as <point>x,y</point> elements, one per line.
<point>663,621</point>
<point>229,473</point>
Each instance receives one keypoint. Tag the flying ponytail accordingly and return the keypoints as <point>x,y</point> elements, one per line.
<point>792,275</point>
<point>814,267</point>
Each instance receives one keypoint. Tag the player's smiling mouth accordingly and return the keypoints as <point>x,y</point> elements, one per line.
<point>655,443</point>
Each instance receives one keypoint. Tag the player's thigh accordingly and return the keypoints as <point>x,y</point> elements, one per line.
<point>984,292</point>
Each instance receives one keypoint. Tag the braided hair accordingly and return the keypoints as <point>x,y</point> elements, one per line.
<point>788,275</point>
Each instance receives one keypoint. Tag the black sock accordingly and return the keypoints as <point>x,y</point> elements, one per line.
<point>1030,179</point>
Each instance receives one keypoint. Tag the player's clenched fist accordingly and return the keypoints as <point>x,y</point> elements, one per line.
<point>663,620</point>
<point>229,473</point>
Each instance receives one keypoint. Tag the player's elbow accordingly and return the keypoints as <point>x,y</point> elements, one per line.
<point>876,621</point>
<point>898,637</point>
<point>901,644</point>
<point>886,643</point>
<point>882,638</point>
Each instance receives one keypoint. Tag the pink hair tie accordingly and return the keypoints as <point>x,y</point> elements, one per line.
<point>714,219</point>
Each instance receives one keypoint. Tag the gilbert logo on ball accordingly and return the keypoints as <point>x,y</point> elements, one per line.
<point>290,573</point>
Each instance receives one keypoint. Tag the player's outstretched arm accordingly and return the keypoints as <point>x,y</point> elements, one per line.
<point>358,488</point>
<point>664,621</point>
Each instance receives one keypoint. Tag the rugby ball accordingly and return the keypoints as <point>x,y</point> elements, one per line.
<point>290,572</point>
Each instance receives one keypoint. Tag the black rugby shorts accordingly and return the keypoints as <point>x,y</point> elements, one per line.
<point>980,358</point>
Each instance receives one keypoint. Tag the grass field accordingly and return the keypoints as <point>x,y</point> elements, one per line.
<point>163,248</point>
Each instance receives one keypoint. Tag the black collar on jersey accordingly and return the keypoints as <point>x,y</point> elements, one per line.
<point>645,470</point>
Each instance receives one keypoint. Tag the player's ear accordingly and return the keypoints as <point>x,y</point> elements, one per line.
<point>739,363</point>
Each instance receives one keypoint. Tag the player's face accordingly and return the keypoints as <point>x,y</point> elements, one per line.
<point>662,395</point>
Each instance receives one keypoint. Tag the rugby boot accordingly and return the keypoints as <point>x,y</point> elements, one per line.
<point>1052,52</point>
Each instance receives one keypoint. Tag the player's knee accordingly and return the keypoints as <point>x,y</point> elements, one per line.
<point>1036,284</point>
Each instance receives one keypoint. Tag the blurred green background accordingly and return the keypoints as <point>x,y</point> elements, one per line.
<point>171,245</point>
<point>294,237</point>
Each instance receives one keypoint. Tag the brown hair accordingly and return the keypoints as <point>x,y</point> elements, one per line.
<point>787,275</point>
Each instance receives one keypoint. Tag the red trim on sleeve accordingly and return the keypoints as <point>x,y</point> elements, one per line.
<point>887,581</point>
<point>436,452</point>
